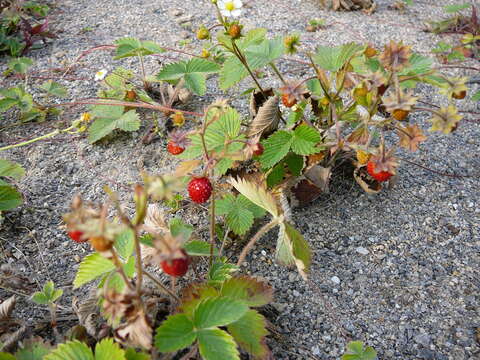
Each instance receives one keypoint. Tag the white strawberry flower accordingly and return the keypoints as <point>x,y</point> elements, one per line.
<point>100,75</point>
<point>230,7</point>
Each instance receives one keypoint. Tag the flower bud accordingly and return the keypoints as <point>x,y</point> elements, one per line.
<point>203,33</point>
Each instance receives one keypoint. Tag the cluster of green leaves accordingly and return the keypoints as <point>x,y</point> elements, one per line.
<point>17,97</point>
<point>48,295</point>
<point>9,196</point>
<point>105,349</point>
<point>11,40</point>
<point>356,350</point>
<point>96,267</point>
<point>207,308</point>
<point>222,136</point>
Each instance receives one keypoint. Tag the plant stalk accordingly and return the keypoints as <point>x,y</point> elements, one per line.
<point>265,228</point>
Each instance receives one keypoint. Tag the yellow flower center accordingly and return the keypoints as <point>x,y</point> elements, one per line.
<point>230,6</point>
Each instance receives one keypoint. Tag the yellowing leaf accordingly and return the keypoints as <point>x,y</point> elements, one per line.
<point>256,194</point>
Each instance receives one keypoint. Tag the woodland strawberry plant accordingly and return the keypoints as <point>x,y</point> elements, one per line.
<point>353,108</point>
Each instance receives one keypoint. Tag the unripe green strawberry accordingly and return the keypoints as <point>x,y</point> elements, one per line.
<point>203,33</point>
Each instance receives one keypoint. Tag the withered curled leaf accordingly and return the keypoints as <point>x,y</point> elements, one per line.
<point>6,307</point>
<point>266,118</point>
<point>369,185</point>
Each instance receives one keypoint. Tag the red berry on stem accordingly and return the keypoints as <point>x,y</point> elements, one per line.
<point>176,267</point>
<point>174,149</point>
<point>76,236</point>
<point>200,189</point>
<point>380,176</point>
<point>258,149</point>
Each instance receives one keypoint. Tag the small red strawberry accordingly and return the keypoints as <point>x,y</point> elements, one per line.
<point>200,189</point>
<point>174,149</point>
<point>176,267</point>
<point>288,100</point>
<point>258,149</point>
<point>76,236</point>
<point>379,176</point>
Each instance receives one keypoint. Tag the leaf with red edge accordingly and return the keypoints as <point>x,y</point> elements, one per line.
<point>249,290</point>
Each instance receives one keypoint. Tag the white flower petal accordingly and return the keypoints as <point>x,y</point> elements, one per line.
<point>238,4</point>
<point>236,12</point>
<point>225,13</point>
<point>221,5</point>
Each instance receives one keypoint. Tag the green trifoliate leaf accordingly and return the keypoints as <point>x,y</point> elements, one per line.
<point>193,72</point>
<point>92,267</point>
<point>276,148</point>
<point>250,332</point>
<point>216,344</point>
<point>357,351</point>
<point>221,271</point>
<point>9,198</point>
<point>219,311</point>
<point>305,140</point>
<point>103,126</point>
<point>334,58</point>
<point>72,350</point>
<point>107,349</point>
<point>129,46</point>
<point>175,333</point>
<point>53,88</point>
<point>239,212</point>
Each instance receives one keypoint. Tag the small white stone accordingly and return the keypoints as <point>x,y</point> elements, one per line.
<point>362,250</point>
<point>335,279</point>
<point>296,293</point>
<point>315,350</point>
<point>263,252</point>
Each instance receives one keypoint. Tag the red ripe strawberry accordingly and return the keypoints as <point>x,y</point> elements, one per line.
<point>176,267</point>
<point>258,149</point>
<point>200,189</point>
<point>288,100</point>
<point>379,176</point>
<point>76,236</point>
<point>173,148</point>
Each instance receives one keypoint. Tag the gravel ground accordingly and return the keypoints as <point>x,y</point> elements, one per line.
<point>399,270</point>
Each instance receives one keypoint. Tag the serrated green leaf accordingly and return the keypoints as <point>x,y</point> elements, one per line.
<point>334,58</point>
<point>124,243</point>
<point>194,294</point>
<point>295,163</point>
<point>257,54</point>
<point>305,140</point>
<point>129,46</point>
<point>418,64</point>
<point>276,175</point>
<point>220,271</point>
<point>356,351</point>
<point>11,169</point>
<point>276,148</point>
<point>9,198</point>
<point>131,354</point>
<point>16,96</point>
<point>219,311</point>
<point>249,332</point>
<point>238,217</point>
<point>40,298</point>
<point>292,249</point>
<point>175,333</point>
<point>107,349</point>
<point>54,88</point>
<point>19,65</point>
<point>92,267</point>
<point>256,194</point>
<point>216,344</point>
<point>103,126</point>
<point>199,248</point>
<point>193,72</point>
<point>248,290</point>
<point>72,350</point>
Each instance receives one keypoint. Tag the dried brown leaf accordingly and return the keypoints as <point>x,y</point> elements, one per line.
<point>6,307</point>
<point>266,119</point>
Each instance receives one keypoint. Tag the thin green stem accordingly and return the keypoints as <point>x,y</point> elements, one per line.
<point>263,230</point>
<point>31,141</point>
<point>243,60</point>
<point>275,70</point>
<point>212,226</point>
